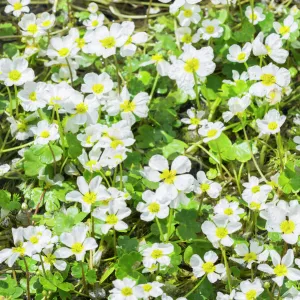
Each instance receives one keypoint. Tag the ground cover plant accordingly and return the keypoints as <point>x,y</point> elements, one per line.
<point>149,150</point>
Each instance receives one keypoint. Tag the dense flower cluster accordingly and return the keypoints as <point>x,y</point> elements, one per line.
<point>153,161</point>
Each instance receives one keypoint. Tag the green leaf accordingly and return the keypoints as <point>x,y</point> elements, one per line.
<point>7,29</point>
<point>44,153</point>
<point>176,146</point>
<point>145,77</point>
<point>32,164</point>
<point>91,276</point>
<point>242,152</point>
<point>246,33</point>
<point>188,226</point>
<point>75,148</point>
<point>48,285</point>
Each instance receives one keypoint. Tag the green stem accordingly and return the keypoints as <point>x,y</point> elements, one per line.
<point>42,263</point>
<point>148,12</point>
<point>170,223</point>
<point>117,70</point>
<point>196,91</point>
<point>16,148</point>
<point>10,101</point>
<point>60,127</point>
<point>154,86</point>
<point>27,279</point>
<point>280,149</point>
<point>54,160</point>
<point>115,242</point>
<point>70,71</point>
<point>195,287</point>
<point>83,276</point>
<point>121,177</point>
<point>17,101</point>
<point>160,229</point>
<point>200,205</point>
<point>228,272</point>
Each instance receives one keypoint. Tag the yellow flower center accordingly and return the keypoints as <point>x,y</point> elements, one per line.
<point>157,57</point>
<point>253,17</point>
<point>195,121</point>
<point>95,23</point>
<point>268,79</point>
<point>77,248</point>
<point>63,52</point>
<point>89,197</point>
<point>280,270</point>
<point>268,48</point>
<point>98,88</point>
<point>34,240</point>
<point>127,106</point>
<point>32,28</point>
<point>221,232</point>
<point>255,189</point>
<point>81,108</point>
<point>32,96</point>
<point>272,125</point>
<point>147,287</point>
<point>255,205</point>
<point>187,39</point>
<point>20,250</point>
<point>126,291</point>
<point>154,207</point>
<point>46,23</point>
<point>284,30</point>
<point>80,43</point>
<point>287,226</point>
<point>251,256</point>
<point>14,75</point>
<point>22,127</point>
<point>228,211</point>
<point>129,41</point>
<point>208,267</point>
<point>50,259</point>
<point>187,13</point>
<point>212,132</point>
<point>204,187</point>
<point>17,6</point>
<point>115,143</point>
<point>91,163</point>
<point>210,29</point>
<point>251,295</point>
<point>192,65</point>
<point>108,42</point>
<point>168,176</point>
<point>45,134</point>
<point>112,219</point>
<point>241,56</point>
<point>157,253</point>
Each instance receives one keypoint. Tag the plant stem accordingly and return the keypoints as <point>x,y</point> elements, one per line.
<point>170,222</point>
<point>154,86</point>
<point>196,90</point>
<point>148,12</point>
<point>17,101</point>
<point>27,279</point>
<point>228,272</point>
<point>70,71</point>
<point>10,101</point>
<point>160,229</point>
<point>195,287</point>
<point>42,263</point>
<point>200,206</point>
<point>16,148</point>
<point>54,160</point>
<point>115,242</point>
<point>280,149</point>
<point>118,77</point>
<point>83,276</point>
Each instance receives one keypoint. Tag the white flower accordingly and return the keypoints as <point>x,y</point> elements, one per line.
<point>21,249</point>
<point>4,169</point>
<point>207,267</point>
<point>129,48</point>
<point>224,2</point>
<point>17,7</point>
<point>249,290</point>
<point>289,26</point>
<point>38,236</point>
<point>91,135</point>
<point>150,289</point>
<point>91,162</point>
<point>269,77</point>
<point>29,96</point>
<point>50,259</point>
<point>221,296</point>
<point>94,21</point>
<point>249,255</point>
<point>157,253</point>
<point>29,26</point>
<point>211,29</point>
<point>236,76</point>
<point>218,231</point>
<point>20,129</point>
<point>236,107</point>
<point>162,66</point>
<point>88,193</point>
<point>291,294</point>
<point>171,179</point>
<point>255,191</point>
<point>227,209</point>
<point>112,157</point>
<point>294,10</point>
<point>296,140</point>
<point>104,41</point>
<point>77,243</point>
<point>93,7</point>
<point>189,14</point>
<point>194,118</point>
<point>16,71</point>
<point>112,216</point>
<point>152,208</point>
<point>271,122</point>
<point>285,219</point>
<point>211,131</point>
<point>123,290</point>
<point>254,16</point>
<point>238,54</point>
<point>204,185</point>
<point>282,267</point>
<point>274,96</point>
<point>62,47</point>
<point>272,47</point>
<point>45,132</point>
<point>184,35</point>
<point>45,21</point>
<point>129,108</point>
